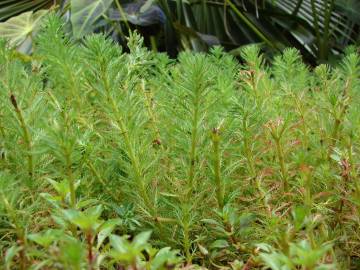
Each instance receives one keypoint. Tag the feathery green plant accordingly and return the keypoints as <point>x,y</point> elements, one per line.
<point>115,160</point>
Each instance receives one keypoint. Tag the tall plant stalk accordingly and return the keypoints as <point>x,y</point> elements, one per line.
<point>138,176</point>
<point>70,176</point>
<point>277,136</point>
<point>26,135</point>
<point>247,149</point>
<point>220,189</point>
<point>191,176</point>
<point>280,155</point>
<point>339,117</point>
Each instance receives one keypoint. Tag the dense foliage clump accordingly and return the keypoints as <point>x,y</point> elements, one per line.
<point>113,160</point>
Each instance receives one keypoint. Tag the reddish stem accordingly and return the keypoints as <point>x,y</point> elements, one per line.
<point>89,240</point>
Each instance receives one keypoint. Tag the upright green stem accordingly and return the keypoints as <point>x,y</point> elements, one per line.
<point>2,144</point>
<point>186,232</point>
<point>152,117</point>
<point>2,131</point>
<point>90,255</point>
<point>217,167</point>
<point>191,170</point>
<point>139,179</point>
<point>122,13</point>
<point>134,160</point>
<point>190,187</point>
<point>249,157</point>
<point>299,105</point>
<point>353,172</point>
<point>308,195</point>
<point>99,178</point>
<point>71,179</point>
<point>339,118</point>
<point>280,155</point>
<point>20,232</point>
<point>153,43</point>
<point>192,154</point>
<point>305,141</point>
<point>26,134</point>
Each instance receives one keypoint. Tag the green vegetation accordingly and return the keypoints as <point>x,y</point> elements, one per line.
<point>113,160</point>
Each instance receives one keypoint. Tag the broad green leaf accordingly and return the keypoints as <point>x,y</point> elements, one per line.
<point>94,212</point>
<point>62,188</point>
<point>85,220</point>
<point>303,254</point>
<point>276,261</point>
<point>119,243</point>
<point>164,256</point>
<point>220,243</point>
<point>73,252</point>
<point>106,230</point>
<point>211,221</point>
<point>299,215</point>
<point>84,203</point>
<point>84,13</point>
<point>20,29</point>
<point>141,239</point>
<point>45,238</point>
<point>10,254</point>
<point>264,247</point>
<point>203,249</point>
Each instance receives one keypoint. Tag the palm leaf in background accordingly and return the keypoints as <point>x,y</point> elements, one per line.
<point>10,8</point>
<point>320,29</point>
<point>334,25</point>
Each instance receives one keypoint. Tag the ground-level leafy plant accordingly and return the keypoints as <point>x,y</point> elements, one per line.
<point>113,160</point>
